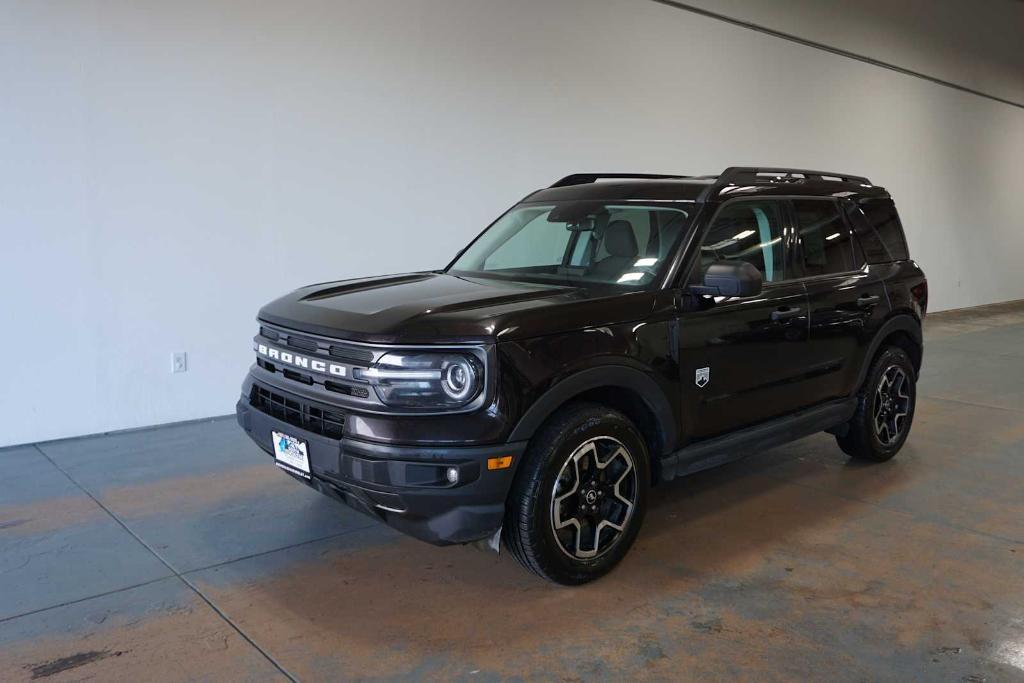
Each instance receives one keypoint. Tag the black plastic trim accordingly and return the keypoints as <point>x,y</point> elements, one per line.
<point>736,445</point>
<point>901,322</point>
<point>593,378</point>
<point>385,481</point>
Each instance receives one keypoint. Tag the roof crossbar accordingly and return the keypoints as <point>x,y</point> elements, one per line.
<point>583,178</point>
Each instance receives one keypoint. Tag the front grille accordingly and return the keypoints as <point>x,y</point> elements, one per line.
<point>358,392</point>
<point>298,412</point>
<point>349,353</point>
<point>302,343</point>
<point>352,354</point>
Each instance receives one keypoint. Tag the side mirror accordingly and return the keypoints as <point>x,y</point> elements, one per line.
<point>730,278</point>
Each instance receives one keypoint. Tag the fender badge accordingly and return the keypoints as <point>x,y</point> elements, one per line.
<point>702,377</point>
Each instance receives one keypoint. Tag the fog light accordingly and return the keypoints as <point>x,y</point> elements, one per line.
<point>452,475</point>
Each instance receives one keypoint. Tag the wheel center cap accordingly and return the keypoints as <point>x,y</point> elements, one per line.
<point>590,496</point>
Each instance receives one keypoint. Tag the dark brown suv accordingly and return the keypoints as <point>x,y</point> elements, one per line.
<point>606,333</point>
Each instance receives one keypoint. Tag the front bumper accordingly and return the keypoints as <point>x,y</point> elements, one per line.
<point>403,486</point>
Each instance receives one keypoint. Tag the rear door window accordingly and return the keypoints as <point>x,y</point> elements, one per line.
<point>823,238</point>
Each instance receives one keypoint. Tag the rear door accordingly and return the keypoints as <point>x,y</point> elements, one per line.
<point>847,298</point>
<point>742,358</point>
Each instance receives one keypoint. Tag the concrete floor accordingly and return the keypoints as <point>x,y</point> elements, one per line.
<point>182,553</point>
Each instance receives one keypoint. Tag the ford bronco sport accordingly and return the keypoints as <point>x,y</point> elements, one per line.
<point>605,334</point>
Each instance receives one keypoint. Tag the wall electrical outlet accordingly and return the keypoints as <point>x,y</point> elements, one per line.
<point>179,361</point>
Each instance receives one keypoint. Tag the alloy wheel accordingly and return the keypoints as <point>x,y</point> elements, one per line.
<point>593,498</point>
<point>892,405</point>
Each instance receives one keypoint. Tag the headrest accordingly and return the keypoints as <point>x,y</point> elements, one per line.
<point>619,239</point>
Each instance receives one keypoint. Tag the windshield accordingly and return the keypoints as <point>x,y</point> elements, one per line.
<point>577,242</point>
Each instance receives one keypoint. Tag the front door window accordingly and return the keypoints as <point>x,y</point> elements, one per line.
<point>751,232</point>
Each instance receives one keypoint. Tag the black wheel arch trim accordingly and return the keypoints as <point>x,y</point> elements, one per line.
<point>621,376</point>
<point>902,322</point>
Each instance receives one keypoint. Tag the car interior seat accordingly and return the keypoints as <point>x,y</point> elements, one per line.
<point>620,243</point>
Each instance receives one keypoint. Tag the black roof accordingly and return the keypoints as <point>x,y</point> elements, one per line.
<point>734,181</point>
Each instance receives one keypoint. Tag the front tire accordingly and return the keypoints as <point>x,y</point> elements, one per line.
<point>885,408</point>
<point>579,496</point>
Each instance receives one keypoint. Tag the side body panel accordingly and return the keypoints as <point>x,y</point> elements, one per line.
<point>742,360</point>
<point>846,312</point>
<point>907,288</point>
<point>635,360</point>
<point>738,365</point>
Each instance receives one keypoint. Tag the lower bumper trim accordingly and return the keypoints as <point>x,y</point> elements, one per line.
<point>400,485</point>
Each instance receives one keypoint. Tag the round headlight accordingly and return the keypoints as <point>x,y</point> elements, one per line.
<point>458,379</point>
<point>424,379</point>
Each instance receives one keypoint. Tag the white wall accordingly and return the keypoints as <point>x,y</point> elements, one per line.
<point>165,168</point>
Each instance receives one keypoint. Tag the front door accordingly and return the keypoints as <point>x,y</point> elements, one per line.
<point>743,360</point>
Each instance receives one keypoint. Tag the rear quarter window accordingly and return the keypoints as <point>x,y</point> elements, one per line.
<point>884,222</point>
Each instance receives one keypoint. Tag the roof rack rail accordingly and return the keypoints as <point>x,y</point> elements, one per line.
<point>734,171</point>
<point>733,174</point>
<point>583,178</point>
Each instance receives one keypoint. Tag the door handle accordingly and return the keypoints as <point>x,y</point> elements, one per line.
<point>785,313</point>
<point>865,300</point>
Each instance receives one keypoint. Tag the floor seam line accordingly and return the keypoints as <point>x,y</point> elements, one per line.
<point>88,597</point>
<point>276,550</point>
<point>195,589</point>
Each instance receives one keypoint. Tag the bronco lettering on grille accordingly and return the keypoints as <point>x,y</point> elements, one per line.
<point>300,361</point>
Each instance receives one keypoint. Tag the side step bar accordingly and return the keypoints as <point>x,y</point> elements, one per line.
<point>722,449</point>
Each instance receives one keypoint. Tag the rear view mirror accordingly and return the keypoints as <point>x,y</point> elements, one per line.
<point>577,212</point>
<point>730,278</point>
<point>583,225</point>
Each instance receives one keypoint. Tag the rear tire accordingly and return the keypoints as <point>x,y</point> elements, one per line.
<point>885,408</point>
<point>579,496</point>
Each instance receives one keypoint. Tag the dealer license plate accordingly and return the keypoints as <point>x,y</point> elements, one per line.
<point>290,454</point>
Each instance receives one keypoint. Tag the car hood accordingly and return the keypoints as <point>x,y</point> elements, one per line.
<point>434,307</point>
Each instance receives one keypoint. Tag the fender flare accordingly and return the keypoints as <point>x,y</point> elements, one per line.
<point>621,376</point>
<point>901,322</point>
